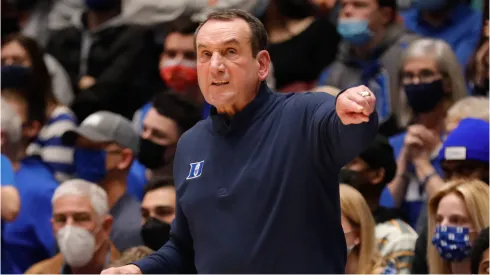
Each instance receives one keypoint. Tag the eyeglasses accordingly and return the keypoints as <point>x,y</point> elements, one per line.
<point>424,76</point>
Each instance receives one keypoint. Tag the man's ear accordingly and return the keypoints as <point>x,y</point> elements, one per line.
<point>264,62</point>
<point>107,224</point>
<point>377,176</point>
<point>127,159</point>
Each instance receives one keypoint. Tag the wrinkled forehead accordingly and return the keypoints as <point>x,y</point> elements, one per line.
<point>215,33</point>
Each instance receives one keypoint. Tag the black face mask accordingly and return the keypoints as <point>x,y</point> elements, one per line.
<point>151,155</point>
<point>295,9</point>
<point>424,97</point>
<point>359,181</point>
<point>155,233</point>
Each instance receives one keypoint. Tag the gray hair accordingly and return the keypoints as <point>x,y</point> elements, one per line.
<point>10,122</point>
<point>446,61</point>
<point>83,188</point>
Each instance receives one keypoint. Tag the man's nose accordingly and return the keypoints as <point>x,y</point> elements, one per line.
<point>217,63</point>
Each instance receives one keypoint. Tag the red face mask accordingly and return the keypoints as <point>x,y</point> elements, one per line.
<point>179,75</point>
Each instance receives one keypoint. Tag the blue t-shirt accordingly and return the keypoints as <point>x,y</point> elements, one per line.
<point>416,195</point>
<point>7,178</point>
<point>461,30</point>
<point>29,238</point>
<point>137,180</point>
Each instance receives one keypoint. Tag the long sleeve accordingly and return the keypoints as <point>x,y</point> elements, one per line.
<point>176,256</point>
<point>341,142</point>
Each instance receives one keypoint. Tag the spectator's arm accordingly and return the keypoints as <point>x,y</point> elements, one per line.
<point>10,202</point>
<point>398,186</point>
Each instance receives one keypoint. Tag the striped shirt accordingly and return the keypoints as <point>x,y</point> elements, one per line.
<point>396,242</point>
<point>48,144</point>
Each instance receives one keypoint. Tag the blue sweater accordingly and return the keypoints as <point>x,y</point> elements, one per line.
<point>259,193</point>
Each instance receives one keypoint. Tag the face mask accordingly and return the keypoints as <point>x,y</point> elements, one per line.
<point>151,155</point>
<point>155,233</point>
<point>452,242</point>
<point>77,245</point>
<point>430,5</point>
<point>90,164</point>
<point>101,5</point>
<point>424,97</point>
<point>354,31</point>
<point>295,9</point>
<point>179,76</point>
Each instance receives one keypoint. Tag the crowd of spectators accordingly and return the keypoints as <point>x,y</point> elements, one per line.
<point>95,95</point>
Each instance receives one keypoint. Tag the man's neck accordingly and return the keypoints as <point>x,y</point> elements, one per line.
<point>115,189</point>
<point>231,110</point>
<point>96,19</point>
<point>96,265</point>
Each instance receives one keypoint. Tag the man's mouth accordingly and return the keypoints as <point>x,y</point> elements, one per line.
<point>219,83</point>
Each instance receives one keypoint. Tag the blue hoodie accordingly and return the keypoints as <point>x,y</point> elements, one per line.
<point>259,193</point>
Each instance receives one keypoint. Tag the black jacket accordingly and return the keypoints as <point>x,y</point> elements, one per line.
<point>122,58</point>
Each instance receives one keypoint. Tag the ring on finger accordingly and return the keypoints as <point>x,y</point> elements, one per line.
<point>364,93</point>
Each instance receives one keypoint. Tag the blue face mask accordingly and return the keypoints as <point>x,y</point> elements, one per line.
<point>90,164</point>
<point>430,5</point>
<point>452,242</point>
<point>354,31</point>
<point>424,97</point>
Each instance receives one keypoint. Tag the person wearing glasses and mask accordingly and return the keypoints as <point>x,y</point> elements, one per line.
<point>105,146</point>
<point>432,81</point>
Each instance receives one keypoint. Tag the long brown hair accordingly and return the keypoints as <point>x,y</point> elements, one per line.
<point>42,78</point>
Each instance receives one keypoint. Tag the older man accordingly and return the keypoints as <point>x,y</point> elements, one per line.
<point>82,225</point>
<point>257,182</point>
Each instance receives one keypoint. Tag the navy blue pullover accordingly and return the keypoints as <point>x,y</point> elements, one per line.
<point>259,193</point>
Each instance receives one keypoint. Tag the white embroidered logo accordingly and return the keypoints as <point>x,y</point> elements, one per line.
<point>196,170</point>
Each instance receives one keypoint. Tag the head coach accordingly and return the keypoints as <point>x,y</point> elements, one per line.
<point>257,181</point>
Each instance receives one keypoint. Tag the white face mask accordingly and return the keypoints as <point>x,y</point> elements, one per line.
<point>77,245</point>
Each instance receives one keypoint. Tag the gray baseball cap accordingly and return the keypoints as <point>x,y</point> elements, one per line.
<point>104,126</point>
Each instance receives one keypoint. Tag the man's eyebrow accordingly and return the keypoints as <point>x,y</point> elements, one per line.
<point>226,42</point>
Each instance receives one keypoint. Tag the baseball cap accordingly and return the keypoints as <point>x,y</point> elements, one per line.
<point>104,126</point>
<point>469,141</point>
<point>380,155</point>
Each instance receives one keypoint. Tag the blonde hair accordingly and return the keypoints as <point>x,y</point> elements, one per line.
<point>132,255</point>
<point>469,107</point>
<point>356,209</point>
<point>475,196</point>
<point>446,61</point>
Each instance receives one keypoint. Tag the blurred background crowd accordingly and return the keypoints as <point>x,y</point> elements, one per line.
<point>96,93</point>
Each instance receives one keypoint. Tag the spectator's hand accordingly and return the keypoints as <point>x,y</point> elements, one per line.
<point>419,142</point>
<point>127,269</point>
<point>86,82</point>
<point>355,105</point>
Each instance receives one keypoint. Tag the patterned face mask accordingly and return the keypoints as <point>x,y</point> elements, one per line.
<point>452,242</point>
